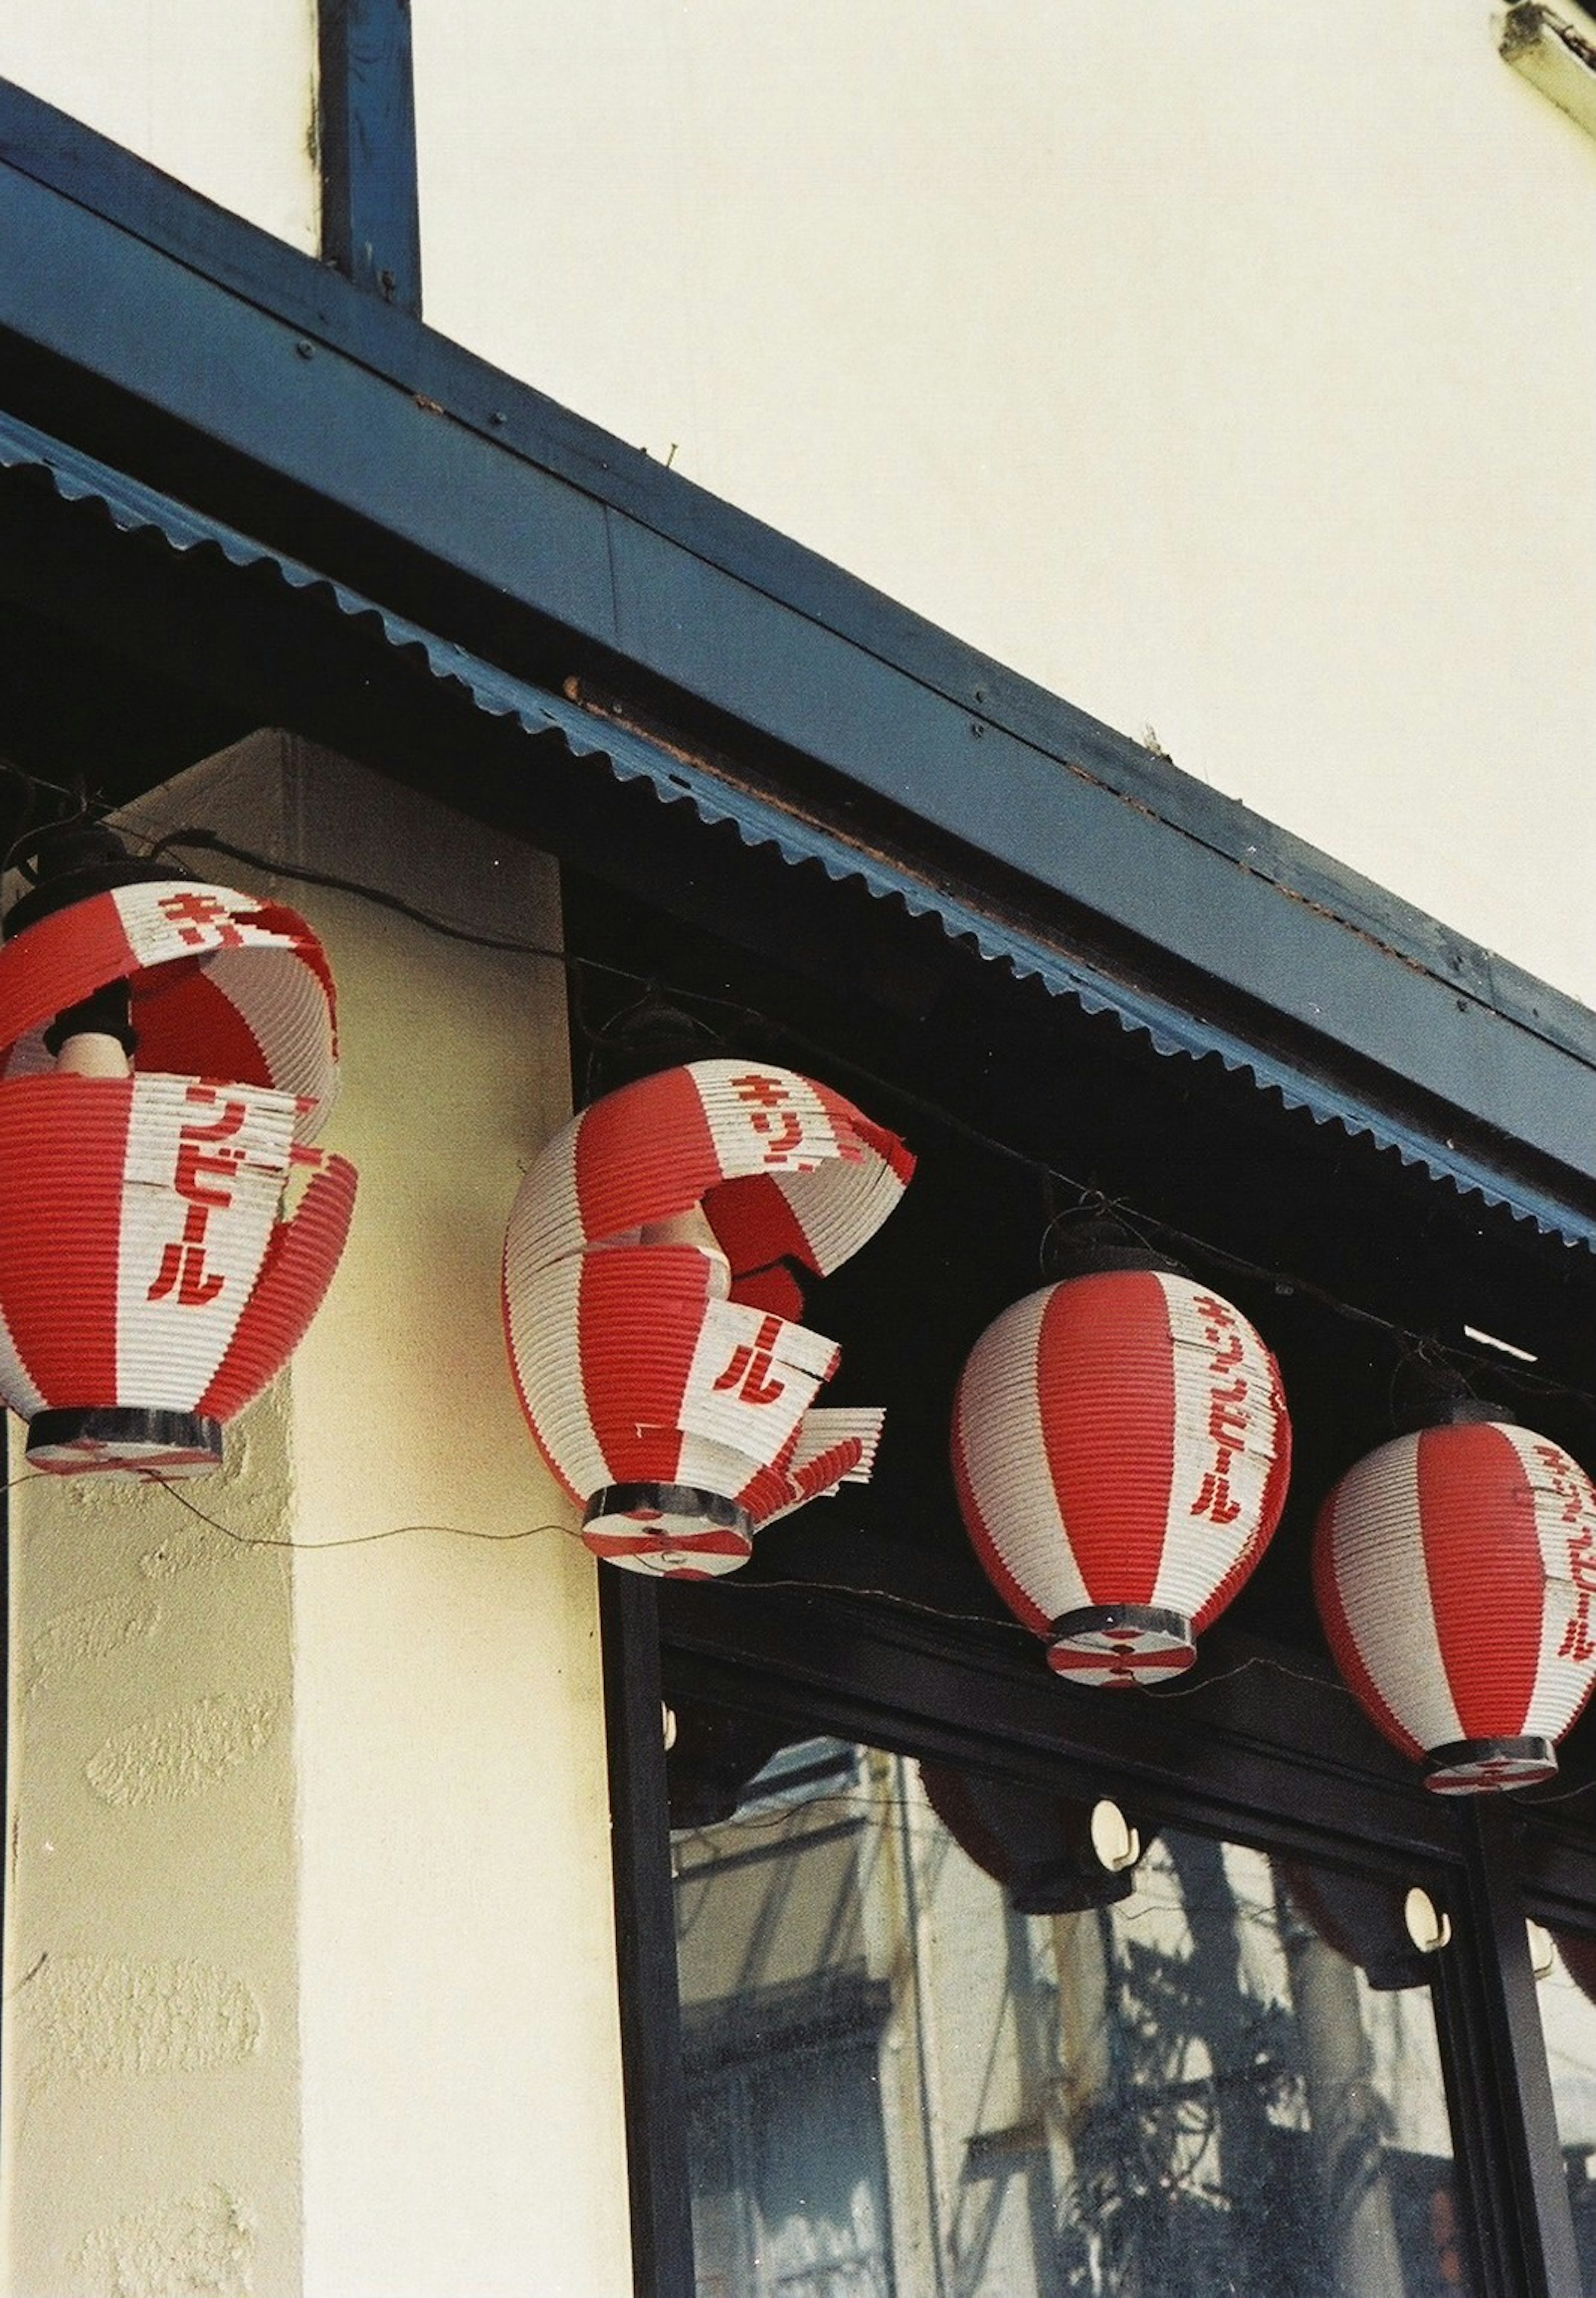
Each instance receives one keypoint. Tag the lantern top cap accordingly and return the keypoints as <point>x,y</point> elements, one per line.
<point>1471,1412</point>
<point>1429,1392</point>
<point>1456,1410</point>
<point>1101,1246</point>
<point>74,861</point>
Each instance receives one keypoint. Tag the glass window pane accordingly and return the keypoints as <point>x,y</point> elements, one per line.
<point>1565,1968</point>
<point>930,2052</point>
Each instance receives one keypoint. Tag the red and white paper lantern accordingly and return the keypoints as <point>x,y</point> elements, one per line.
<point>1455,1570</point>
<point>650,1306</point>
<point>1121,1451</point>
<point>148,1286</point>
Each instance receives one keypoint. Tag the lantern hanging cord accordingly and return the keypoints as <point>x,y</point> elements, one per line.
<point>36,819</point>
<point>196,837</point>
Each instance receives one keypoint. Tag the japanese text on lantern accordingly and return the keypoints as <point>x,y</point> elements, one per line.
<point>1227,1413</point>
<point>201,921</point>
<point>751,1365</point>
<point>202,1157</point>
<point>768,1102</point>
<point>1578,1642</point>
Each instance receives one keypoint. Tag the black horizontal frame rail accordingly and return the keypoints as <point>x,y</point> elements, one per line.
<point>199,351</point>
<point>366,115</point>
<point>1265,1746</point>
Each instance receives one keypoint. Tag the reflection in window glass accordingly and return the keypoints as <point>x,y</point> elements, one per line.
<point>1565,1968</point>
<point>931,2055</point>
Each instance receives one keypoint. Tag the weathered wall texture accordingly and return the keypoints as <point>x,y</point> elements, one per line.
<point>1213,365</point>
<point>219,92</point>
<point>315,1845</point>
<point>152,2038</point>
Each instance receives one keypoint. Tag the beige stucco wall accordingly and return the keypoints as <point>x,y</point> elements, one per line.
<point>219,92</point>
<point>151,2056</point>
<point>1222,367</point>
<point>314,1846</point>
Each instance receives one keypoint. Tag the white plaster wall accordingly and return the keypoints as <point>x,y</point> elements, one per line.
<point>440,1925</point>
<point>463,2120</point>
<point>1224,367</point>
<point>151,2058</point>
<point>219,92</point>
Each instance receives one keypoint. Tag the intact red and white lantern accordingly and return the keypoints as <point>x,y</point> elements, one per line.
<point>1455,1570</point>
<point>1121,1450</point>
<point>168,1054</point>
<point>649,1306</point>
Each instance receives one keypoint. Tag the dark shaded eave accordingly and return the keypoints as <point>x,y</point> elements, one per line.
<point>1523,1066</point>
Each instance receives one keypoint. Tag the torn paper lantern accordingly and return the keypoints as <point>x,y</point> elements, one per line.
<point>1121,1451</point>
<point>167,1054</point>
<point>650,1306</point>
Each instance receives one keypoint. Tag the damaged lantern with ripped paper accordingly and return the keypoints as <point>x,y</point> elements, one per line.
<point>167,1054</point>
<point>649,1303</point>
<point>1121,1451</point>
<point>1455,1569</point>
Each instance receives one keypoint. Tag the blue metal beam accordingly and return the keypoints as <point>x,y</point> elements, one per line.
<point>372,440</point>
<point>365,114</point>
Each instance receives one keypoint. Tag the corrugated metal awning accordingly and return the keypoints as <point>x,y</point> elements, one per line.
<point>762,818</point>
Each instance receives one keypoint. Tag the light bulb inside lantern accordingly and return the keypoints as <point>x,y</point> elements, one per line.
<point>95,1039</point>
<point>692,1228</point>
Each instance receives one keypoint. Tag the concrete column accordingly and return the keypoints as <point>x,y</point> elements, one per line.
<point>310,1924</point>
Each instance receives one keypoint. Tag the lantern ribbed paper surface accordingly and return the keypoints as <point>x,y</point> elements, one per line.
<point>1455,1571</point>
<point>221,986</point>
<point>148,1288</point>
<point>1121,1451</point>
<point>644,1278</point>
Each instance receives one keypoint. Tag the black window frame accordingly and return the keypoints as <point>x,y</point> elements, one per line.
<point>1265,1755</point>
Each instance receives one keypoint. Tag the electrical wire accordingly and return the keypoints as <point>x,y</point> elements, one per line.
<point>1287,1282</point>
<point>198,838</point>
<point>194,838</point>
<point>748,1588</point>
<point>357,1539</point>
<point>75,805</point>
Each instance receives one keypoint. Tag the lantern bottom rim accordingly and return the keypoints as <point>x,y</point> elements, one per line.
<point>124,1440</point>
<point>673,1531</point>
<point>1483,1767</point>
<point>1115,1646</point>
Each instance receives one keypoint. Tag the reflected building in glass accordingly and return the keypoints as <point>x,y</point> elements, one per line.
<point>929,2056</point>
<point>1564,1964</point>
